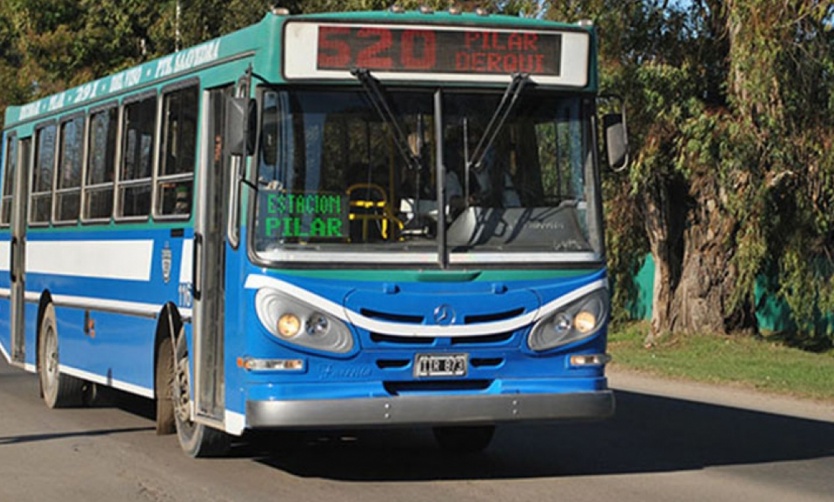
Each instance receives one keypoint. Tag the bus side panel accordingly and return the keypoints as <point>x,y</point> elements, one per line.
<point>5,298</point>
<point>30,314</point>
<point>235,325</point>
<point>113,349</point>
<point>106,324</point>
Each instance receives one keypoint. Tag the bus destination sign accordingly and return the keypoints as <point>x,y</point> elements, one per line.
<point>424,52</point>
<point>302,216</point>
<point>399,49</point>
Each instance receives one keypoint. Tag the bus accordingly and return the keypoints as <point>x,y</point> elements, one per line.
<point>321,221</point>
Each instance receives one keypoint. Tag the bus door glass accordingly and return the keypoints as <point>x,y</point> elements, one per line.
<point>20,196</point>
<point>209,249</point>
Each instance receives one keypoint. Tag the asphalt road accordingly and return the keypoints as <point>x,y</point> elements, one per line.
<point>668,442</point>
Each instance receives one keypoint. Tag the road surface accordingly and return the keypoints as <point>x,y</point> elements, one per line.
<point>668,441</point>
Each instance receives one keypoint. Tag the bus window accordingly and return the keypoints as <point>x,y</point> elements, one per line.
<point>136,167</point>
<point>8,181</point>
<point>178,153</point>
<point>68,179</point>
<point>101,165</point>
<point>330,171</point>
<point>41,201</point>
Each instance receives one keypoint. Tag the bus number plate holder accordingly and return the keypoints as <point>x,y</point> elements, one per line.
<point>440,365</point>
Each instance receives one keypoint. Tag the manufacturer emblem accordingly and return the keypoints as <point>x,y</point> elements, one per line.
<point>444,315</point>
<point>166,263</point>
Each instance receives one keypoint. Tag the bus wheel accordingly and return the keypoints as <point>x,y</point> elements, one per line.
<point>464,439</point>
<point>59,391</point>
<point>197,440</point>
<point>164,384</point>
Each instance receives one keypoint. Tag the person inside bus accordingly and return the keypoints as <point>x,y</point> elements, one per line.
<point>489,186</point>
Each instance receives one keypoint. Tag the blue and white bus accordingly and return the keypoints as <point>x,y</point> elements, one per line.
<point>347,220</point>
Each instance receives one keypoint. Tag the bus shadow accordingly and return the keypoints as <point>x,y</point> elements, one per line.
<point>647,434</point>
<point>12,440</point>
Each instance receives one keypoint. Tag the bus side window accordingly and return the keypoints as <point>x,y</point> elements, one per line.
<point>40,207</point>
<point>137,159</point>
<point>178,154</point>
<point>68,178</point>
<point>8,180</point>
<point>101,165</point>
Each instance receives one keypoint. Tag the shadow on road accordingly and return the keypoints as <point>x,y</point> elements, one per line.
<point>62,435</point>
<point>647,434</point>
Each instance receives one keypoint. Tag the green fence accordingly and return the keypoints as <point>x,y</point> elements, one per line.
<point>772,314</point>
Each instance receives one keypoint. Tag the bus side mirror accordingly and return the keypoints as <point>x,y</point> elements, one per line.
<point>616,140</point>
<point>241,126</point>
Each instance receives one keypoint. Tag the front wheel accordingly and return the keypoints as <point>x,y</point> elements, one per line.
<point>197,440</point>
<point>58,390</point>
<point>464,439</point>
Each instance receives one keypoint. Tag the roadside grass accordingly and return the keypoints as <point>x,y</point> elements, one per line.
<point>759,362</point>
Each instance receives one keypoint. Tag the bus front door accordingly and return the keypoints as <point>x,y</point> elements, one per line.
<point>17,251</point>
<point>210,255</point>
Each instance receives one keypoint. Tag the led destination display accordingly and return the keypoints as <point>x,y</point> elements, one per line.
<point>412,52</point>
<point>438,51</point>
<point>303,215</point>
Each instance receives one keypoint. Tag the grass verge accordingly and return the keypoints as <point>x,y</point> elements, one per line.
<point>756,362</point>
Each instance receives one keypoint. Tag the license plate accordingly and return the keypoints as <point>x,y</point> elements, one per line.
<point>440,365</point>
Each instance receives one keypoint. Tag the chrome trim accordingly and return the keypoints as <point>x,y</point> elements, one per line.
<point>510,257</point>
<point>354,256</point>
<point>103,305</point>
<point>430,410</point>
<point>139,309</point>
<point>394,256</point>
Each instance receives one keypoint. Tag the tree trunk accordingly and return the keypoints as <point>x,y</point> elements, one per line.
<point>702,300</point>
<point>664,244</point>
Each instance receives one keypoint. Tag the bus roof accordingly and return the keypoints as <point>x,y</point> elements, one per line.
<point>248,41</point>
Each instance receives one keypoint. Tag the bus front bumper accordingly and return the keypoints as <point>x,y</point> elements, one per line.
<point>430,410</point>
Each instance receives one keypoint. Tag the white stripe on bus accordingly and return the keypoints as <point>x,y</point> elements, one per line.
<point>108,381</point>
<point>254,281</point>
<point>128,260</point>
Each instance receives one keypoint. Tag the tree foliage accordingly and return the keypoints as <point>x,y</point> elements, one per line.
<point>731,119</point>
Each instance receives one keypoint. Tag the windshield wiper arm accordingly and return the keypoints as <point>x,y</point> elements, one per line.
<point>499,116</point>
<point>383,108</point>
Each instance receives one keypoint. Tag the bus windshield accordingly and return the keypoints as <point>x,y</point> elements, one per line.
<point>337,182</point>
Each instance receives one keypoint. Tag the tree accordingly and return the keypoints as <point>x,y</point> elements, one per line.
<point>779,89</point>
<point>731,115</point>
<point>12,90</point>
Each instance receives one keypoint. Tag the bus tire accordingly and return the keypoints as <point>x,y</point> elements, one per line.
<point>164,384</point>
<point>197,440</point>
<point>91,395</point>
<point>58,390</point>
<point>464,439</point>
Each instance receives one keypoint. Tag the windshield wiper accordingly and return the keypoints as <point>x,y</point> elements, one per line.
<point>499,116</point>
<point>383,108</point>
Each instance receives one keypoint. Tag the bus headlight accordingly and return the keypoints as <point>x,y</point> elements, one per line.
<point>288,325</point>
<point>576,321</point>
<point>300,323</point>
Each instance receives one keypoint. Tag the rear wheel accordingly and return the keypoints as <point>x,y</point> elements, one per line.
<point>464,439</point>
<point>197,440</point>
<point>163,386</point>
<point>59,391</point>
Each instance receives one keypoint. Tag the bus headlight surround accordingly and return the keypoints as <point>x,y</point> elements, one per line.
<point>576,321</point>
<point>297,322</point>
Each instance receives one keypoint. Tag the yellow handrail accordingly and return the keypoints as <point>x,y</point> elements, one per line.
<point>377,209</point>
